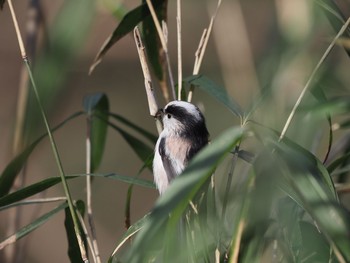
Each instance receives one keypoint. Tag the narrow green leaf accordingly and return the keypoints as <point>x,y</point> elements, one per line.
<point>126,25</point>
<point>127,179</point>
<point>49,182</point>
<point>32,226</point>
<point>150,136</point>
<point>342,160</point>
<point>307,179</point>
<point>289,215</point>
<point>31,190</point>
<point>175,200</point>
<point>314,245</point>
<point>9,174</point>
<point>97,107</point>
<point>307,162</point>
<point>335,17</point>
<point>215,91</point>
<point>142,150</point>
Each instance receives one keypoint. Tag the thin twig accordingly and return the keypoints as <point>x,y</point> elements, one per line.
<point>179,50</point>
<point>311,78</point>
<point>201,49</point>
<point>52,140</point>
<point>94,247</point>
<point>151,97</point>
<point>164,45</point>
<point>237,244</point>
<point>90,244</point>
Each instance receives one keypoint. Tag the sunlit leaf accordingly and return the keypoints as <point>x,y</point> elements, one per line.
<point>97,107</point>
<point>215,91</point>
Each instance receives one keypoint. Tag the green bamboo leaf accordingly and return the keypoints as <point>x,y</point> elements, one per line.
<point>289,215</point>
<point>9,174</point>
<point>336,105</point>
<point>150,136</point>
<point>308,162</point>
<point>97,107</point>
<point>32,226</point>
<point>307,180</point>
<point>132,230</point>
<point>49,182</point>
<point>335,17</point>
<point>126,179</point>
<point>338,162</point>
<point>175,200</point>
<point>315,247</point>
<point>215,91</point>
<point>126,25</point>
<point>30,190</point>
<point>142,150</point>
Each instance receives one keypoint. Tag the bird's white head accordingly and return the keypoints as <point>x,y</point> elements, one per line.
<point>183,118</point>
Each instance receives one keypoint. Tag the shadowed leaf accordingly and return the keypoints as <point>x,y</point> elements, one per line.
<point>126,25</point>
<point>215,91</point>
<point>97,107</point>
<point>142,150</point>
<point>150,136</point>
<point>9,174</point>
<point>335,17</point>
<point>73,245</point>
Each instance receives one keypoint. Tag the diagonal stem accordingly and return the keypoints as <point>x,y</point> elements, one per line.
<point>311,78</point>
<point>52,141</point>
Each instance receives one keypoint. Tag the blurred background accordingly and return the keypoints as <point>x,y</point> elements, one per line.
<point>255,46</point>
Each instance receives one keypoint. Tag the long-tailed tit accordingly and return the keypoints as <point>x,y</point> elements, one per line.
<point>184,134</point>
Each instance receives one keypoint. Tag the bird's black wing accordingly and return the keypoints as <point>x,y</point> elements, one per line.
<point>169,169</point>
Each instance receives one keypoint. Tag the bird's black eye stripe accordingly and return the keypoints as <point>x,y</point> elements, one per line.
<point>168,115</point>
<point>178,113</point>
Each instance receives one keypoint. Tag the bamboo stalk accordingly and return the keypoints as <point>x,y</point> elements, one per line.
<point>52,140</point>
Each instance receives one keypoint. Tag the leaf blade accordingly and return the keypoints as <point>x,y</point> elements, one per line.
<point>215,91</point>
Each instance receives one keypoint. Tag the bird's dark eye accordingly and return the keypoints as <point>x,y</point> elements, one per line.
<point>169,116</point>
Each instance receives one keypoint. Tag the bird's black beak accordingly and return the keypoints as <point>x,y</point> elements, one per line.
<point>160,114</point>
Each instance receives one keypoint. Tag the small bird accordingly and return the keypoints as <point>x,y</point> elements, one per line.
<point>184,134</point>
